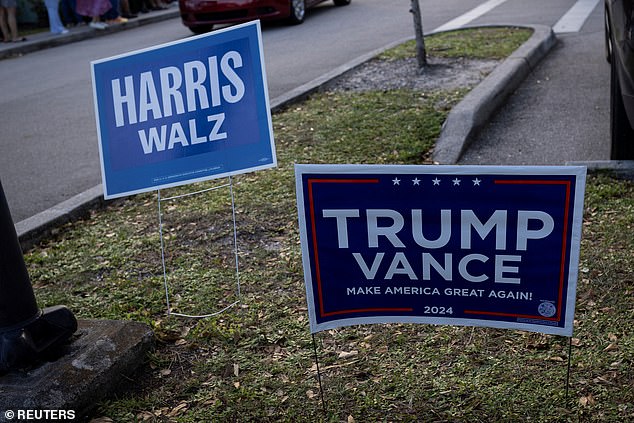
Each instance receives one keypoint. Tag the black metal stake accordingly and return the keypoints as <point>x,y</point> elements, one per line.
<point>27,333</point>
<point>321,389</point>
<point>568,372</point>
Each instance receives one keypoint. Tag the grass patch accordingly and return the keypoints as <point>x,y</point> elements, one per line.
<point>256,363</point>
<point>478,43</point>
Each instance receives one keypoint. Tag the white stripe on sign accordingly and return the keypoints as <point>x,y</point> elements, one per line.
<point>470,15</point>
<point>574,19</point>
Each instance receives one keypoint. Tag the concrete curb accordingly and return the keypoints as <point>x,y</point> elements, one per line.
<point>472,113</point>
<point>462,123</point>
<point>35,228</point>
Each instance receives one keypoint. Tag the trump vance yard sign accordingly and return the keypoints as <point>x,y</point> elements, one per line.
<point>464,245</point>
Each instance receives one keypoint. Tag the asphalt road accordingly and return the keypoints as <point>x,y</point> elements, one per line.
<point>48,148</point>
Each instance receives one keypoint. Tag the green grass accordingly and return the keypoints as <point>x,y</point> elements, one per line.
<point>256,361</point>
<point>480,43</point>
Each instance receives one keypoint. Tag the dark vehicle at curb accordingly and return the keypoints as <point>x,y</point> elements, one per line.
<point>201,15</point>
<point>619,43</point>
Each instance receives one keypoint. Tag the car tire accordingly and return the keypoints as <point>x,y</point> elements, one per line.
<point>621,132</point>
<point>608,37</point>
<point>298,11</point>
<point>341,2</point>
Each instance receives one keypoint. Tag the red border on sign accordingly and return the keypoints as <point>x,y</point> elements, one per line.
<point>322,312</point>
<point>564,244</point>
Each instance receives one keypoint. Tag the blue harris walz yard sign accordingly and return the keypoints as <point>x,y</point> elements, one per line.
<point>468,245</point>
<point>182,112</point>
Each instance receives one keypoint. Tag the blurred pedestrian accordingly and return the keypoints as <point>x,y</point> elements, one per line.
<point>112,16</point>
<point>94,9</point>
<point>8,22</point>
<point>149,5</point>
<point>126,11</point>
<point>54,21</point>
<point>70,17</point>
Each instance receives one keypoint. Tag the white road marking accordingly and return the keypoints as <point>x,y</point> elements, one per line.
<point>471,15</point>
<point>574,19</point>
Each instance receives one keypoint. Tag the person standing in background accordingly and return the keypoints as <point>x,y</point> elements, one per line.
<point>94,9</point>
<point>8,22</point>
<point>126,12</point>
<point>112,16</point>
<point>54,21</point>
<point>70,17</point>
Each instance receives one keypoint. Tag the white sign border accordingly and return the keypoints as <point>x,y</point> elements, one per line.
<point>575,241</point>
<point>273,164</point>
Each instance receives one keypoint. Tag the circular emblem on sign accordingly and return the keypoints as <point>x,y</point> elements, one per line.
<point>547,309</point>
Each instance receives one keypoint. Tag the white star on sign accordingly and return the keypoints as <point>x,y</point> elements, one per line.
<point>416,181</point>
<point>396,181</point>
<point>456,182</point>
<point>476,181</point>
<point>436,181</point>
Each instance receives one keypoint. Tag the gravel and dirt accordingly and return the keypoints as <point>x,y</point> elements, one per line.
<point>440,73</point>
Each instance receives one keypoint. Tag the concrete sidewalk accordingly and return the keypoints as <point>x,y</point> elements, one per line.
<point>44,40</point>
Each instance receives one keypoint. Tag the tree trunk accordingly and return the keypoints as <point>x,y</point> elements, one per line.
<point>421,53</point>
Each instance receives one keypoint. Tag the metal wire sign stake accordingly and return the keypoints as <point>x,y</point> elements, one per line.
<point>352,218</point>
<point>235,250</point>
<point>159,135</point>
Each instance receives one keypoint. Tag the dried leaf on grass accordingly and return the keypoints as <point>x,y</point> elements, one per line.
<point>348,354</point>
<point>587,400</point>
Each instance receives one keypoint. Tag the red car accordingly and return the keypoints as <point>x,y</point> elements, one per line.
<point>201,15</point>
